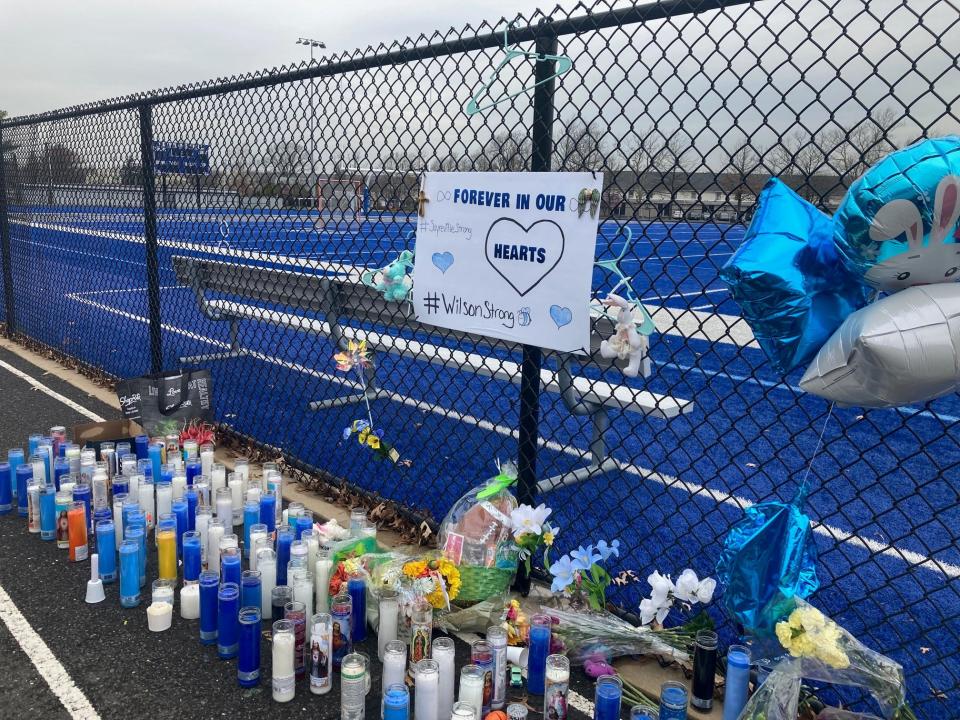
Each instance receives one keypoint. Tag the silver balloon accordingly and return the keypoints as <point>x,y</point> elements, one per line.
<point>900,350</point>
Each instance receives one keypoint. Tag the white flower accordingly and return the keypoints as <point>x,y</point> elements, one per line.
<point>526,519</point>
<point>686,587</point>
<point>705,590</point>
<point>661,588</point>
<point>334,530</point>
<point>650,609</point>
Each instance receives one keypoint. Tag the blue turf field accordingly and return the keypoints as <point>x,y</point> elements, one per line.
<point>887,513</point>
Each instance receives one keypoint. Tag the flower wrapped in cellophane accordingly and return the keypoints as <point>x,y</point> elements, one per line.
<point>811,646</point>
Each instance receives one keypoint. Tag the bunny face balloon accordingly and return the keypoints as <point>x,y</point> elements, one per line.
<point>898,224</point>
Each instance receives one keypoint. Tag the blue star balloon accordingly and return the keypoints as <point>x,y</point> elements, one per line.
<point>789,280</point>
<point>768,558</point>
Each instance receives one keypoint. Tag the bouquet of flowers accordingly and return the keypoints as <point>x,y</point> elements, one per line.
<point>531,530</point>
<point>436,580</point>
<point>811,645</point>
<point>579,573</point>
<point>357,357</point>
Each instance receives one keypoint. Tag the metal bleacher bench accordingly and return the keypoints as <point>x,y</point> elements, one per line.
<point>352,311</point>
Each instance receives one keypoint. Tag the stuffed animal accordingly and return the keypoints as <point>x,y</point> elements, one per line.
<point>626,342</point>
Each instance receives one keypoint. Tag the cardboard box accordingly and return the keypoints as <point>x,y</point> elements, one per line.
<point>93,433</point>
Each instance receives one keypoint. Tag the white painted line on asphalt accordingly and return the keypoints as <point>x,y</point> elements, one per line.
<point>52,393</point>
<point>46,663</point>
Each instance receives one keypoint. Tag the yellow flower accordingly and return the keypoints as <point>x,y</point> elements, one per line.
<point>351,566</point>
<point>415,568</point>
<point>809,633</point>
<point>548,538</point>
<point>373,441</point>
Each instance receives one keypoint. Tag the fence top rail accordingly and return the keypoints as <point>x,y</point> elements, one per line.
<point>398,53</point>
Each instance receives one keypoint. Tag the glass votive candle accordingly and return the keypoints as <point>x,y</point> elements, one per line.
<point>162,591</point>
<point>464,711</point>
<point>358,520</point>
<point>387,630</point>
<point>737,682</point>
<point>556,684</point>
<point>396,702</point>
<point>394,663</point>
<point>517,711</point>
<point>228,625</point>
<point>353,687</point>
<point>673,701</point>
<point>284,671</point>
<point>319,659</point>
<point>644,712</point>
<point>251,589</point>
<point>704,669</point>
<point>471,688</point>
<point>296,612</point>
<point>129,573</point>
<point>248,661</point>
<point>426,675</point>
<point>607,698</point>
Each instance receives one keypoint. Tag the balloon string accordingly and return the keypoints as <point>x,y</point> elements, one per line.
<point>816,451</point>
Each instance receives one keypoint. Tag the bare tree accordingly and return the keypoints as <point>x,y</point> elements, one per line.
<point>580,148</point>
<point>735,177</point>
<point>853,150</point>
<point>798,158</point>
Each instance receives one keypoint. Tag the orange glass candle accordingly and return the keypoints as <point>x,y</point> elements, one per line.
<point>77,531</point>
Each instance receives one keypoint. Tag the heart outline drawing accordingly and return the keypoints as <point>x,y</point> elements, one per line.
<point>561,315</point>
<point>526,230</point>
<point>442,260</point>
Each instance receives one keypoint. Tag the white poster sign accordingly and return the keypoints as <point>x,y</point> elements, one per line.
<point>508,255</point>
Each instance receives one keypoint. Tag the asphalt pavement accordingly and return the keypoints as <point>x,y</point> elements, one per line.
<point>122,669</point>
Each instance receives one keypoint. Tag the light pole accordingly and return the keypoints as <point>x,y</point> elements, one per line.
<point>310,43</point>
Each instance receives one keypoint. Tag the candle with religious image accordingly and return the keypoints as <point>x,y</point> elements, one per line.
<point>497,637</point>
<point>33,504</point>
<point>62,502</point>
<point>319,654</point>
<point>48,511</point>
<point>340,612</point>
<point>556,685</point>
<point>421,630</point>
<point>296,612</point>
<point>481,655</point>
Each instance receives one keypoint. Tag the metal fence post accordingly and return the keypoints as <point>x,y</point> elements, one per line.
<point>150,235</point>
<point>528,431</point>
<point>5,246</point>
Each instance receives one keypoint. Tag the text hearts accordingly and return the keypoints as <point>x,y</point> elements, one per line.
<point>524,256</point>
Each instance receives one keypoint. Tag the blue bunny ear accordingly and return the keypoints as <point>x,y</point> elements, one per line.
<point>789,280</point>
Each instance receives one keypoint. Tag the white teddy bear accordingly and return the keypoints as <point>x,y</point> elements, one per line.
<point>626,341</point>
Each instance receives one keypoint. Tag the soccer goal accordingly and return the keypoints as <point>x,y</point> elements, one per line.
<point>340,200</point>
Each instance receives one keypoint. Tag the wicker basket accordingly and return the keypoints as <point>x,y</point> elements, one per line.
<point>479,583</point>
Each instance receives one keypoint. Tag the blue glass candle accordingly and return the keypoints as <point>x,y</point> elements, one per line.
<point>99,515</point>
<point>6,493</point>
<point>24,475</point>
<point>107,549</point>
<point>193,499</point>
<point>230,565</point>
<point>248,663</point>
<point>130,505</point>
<point>251,589</point>
<point>284,540</point>
<point>673,701</point>
<point>539,649</point>
<point>209,584</point>
<point>32,442</point>
<point>606,701</point>
<point>123,448</point>
<point>268,511</point>
<point>193,468</point>
<point>120,485</point>
<point>141,444</point>
<point>15,460</point>
<point>167,473</point>
<point>180,510</point>
<point>228,622</point>
<point>357,589</point>
<point>396,702</point>
<point>251,517</point>
<point>45,451</point>
<point>139,535</point>
<point>61,467</point>
<point>155,453</point>
<point>192,552</point>
<point>304,526</point>
<point>737,684</point>
<point>129,573</point>
<point>81,493</point>
<point>145,468</point>
<point>48,512</point>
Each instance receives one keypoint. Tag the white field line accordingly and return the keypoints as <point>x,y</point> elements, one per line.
<point>668,481</point>
<point>46,663</point>
<point>49,391</point>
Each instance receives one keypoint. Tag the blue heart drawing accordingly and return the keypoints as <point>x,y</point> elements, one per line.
<point>443,261</point>
<point>561,315</point>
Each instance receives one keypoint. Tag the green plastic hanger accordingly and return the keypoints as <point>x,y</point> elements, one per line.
<point>564,63</point>
<point>646,327</point>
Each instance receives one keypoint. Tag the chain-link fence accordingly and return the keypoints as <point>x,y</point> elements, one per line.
<point>239,248</point>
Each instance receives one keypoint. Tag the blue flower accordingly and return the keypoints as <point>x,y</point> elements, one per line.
<point>346,432</point>
<point>584,557</point>
<point>562,571</point>
<point>607,550</point>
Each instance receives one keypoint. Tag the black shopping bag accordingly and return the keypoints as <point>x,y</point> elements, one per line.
<point>165,403</point>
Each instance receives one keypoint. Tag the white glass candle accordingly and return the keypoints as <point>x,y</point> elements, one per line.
<point>241,467</point>
<point>214,536</point>
<point>133,486</point>
<point>471,688</point>
<point>313,547</point>
<point>303,592</point>
<point>202,521</point>
<point>179,486</point>
<point>427,677</point>
<point>353,687</point>
<point>274,482</point>
<point>320,654</point>
<point>267,565</point>
<point>218,478</point>
<point>258,539</point>
<point>147,504</point>
<point>284,687</point>
<point>236,493</point>
<point>118,512</point>
<point>190,601</point>
<point>394,663</point>
<point>253,494</point>
<point>497,638</point>
<point>443,653</point>
<point>387,629</point>
<point>224,501</point>
<point>164,499</point>
<point>206,460</point>
<point>322,575</point>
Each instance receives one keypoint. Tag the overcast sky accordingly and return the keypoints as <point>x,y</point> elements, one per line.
<point>56,53</point>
